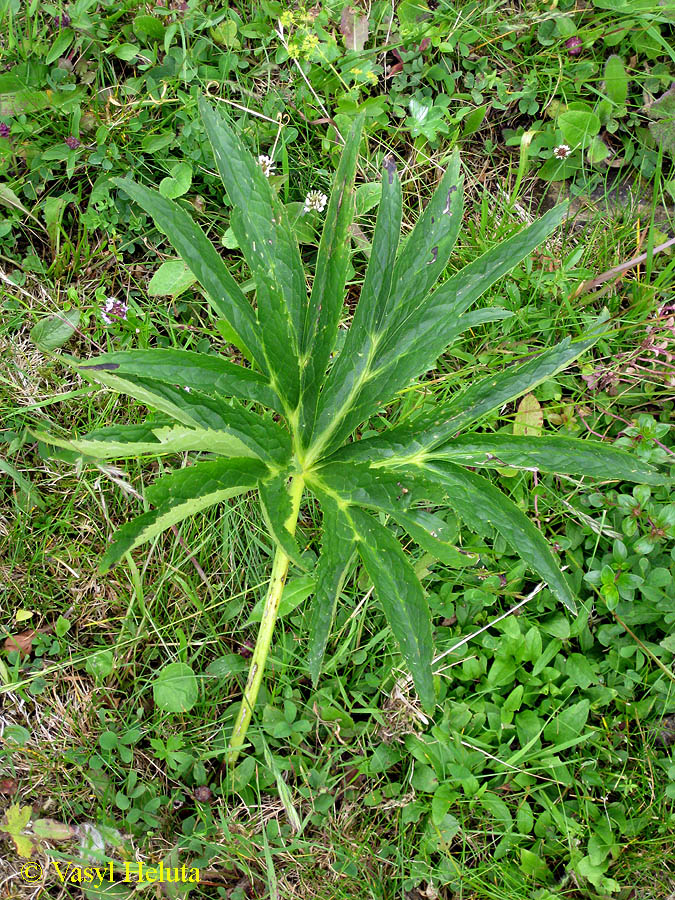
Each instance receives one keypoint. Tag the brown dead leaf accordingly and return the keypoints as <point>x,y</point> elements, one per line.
<point>359,237</point>
<point>9,786</point>
<point>22,642</point>
<point>353,28</point>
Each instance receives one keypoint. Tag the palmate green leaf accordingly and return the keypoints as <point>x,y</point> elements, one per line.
<point>208,373</point>
<point>549,453</point>
<point>262,230</point>
<point>400,595</point>
<point>461,290</point>
<point>349,395</point>
<point>181,494</point>
<point>326,300</point>
<point>149,439</point>
<point>400,328</point>
<point>261,436</point>
<point>393,493</point>
<point>352,365</point>
<point>478,502</point>
<point>224,294</point>
<point>435,536</point>
<point>425,432</point>
<point>426,251</point>
<point>421,327</point>
<point>337,552</point>
<point>276,506</point>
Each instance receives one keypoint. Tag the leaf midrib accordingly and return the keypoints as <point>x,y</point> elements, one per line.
<point>317,447</point>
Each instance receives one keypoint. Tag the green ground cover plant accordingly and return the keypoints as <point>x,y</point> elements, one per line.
<point>546,767</point>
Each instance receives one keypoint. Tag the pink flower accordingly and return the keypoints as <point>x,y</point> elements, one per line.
<point>114,309</point>
<point>574,45</point>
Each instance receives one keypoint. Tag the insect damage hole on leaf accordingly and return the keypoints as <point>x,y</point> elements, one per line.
<point>451,190</point>
<point>110,367</point>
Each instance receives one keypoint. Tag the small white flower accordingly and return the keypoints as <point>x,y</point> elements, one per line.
<point>315,200</point>
<point>187,388</point>
<point>114,309</point>
<point>267,164</point>
<point>561,152</point>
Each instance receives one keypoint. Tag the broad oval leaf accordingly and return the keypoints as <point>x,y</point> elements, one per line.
<point>171,279</point>
<point>295,592</point>
<point>56,330</point>
<point>529,419</point>
<point>175,689</point>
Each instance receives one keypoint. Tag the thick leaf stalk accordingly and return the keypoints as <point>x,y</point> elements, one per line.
<point>269,618</point>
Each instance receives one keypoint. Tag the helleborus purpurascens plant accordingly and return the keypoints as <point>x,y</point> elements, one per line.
<point>283,424</point>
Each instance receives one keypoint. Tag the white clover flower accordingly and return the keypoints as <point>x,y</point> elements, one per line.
<point>315,200</point>
<point>267,164</point>
<point>114,309</point>
<point>561,152</point>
